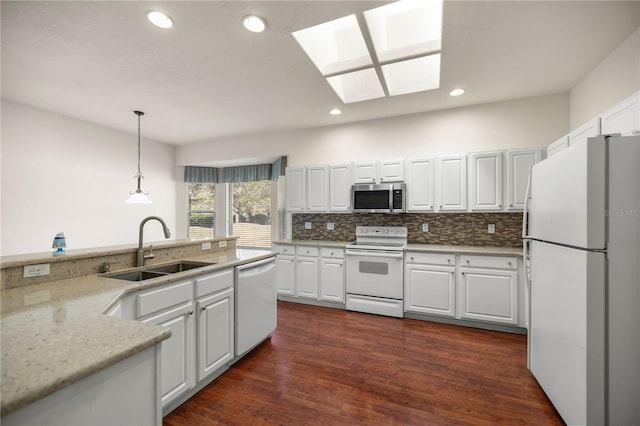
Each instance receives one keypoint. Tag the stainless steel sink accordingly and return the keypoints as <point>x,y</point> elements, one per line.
<point>137,276</point>
<point>172,268</point>
<point>159,271</point>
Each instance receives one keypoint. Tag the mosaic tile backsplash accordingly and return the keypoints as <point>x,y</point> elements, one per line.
<point>444,228</point>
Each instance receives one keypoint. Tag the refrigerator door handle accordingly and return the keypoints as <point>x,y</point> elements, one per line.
<point>527,207</point>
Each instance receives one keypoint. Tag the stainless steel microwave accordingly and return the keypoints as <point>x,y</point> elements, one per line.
<point>379,198</point>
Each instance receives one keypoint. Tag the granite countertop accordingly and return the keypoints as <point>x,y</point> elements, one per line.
<point>57,333</point>
<point>430,248</point>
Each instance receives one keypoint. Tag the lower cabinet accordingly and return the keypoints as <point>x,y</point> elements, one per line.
<point>489,288</point>
<point>285,269</point>
<point>332,275</point>
<point>430,284</point>
<point>215,332</point>
<point>307,272</point>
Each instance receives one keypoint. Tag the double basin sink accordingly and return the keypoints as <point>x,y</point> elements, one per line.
<point>159,271</point>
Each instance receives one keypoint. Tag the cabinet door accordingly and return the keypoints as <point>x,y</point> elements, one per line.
<point>215,332</point>
<point>558,146</point>
<point>589,129</point>
<point>430,289</point>
<point>485,181</point>
<point>340,180</point>
<point>332,280</point>
<point>295,188</point>
<point>307,277</point>
<point>392,171</point>
<point>452,182</point>
<point>177,352</point>
<point>365,172</point>
<point>623,118</point>
<point>317,189</point>
<point>420,185</point>
<point>285,274</point>
<point>518,164</point>
<point>489,295</point>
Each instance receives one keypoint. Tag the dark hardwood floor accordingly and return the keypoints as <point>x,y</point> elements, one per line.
<point>326,366</point>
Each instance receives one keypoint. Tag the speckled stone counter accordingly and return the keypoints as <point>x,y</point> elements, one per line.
<point>454,249</point>
<point>57,333</point>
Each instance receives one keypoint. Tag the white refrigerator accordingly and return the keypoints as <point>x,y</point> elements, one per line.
<point>582,254</point>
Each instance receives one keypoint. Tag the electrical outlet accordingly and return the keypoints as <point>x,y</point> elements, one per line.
<point>36,270</point>
<point>491,228</point>
<point>222,244</point>
<point>307,225</point>
<point>425,227</point>
<point>330,226</point>
<point>206,246</point>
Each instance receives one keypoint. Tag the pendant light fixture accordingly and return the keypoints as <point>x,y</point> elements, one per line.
<point>138,195</point>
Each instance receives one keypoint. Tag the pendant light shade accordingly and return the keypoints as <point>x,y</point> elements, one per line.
<point>138,196</point>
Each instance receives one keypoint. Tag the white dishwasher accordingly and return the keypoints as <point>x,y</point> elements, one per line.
<point>256,303</point>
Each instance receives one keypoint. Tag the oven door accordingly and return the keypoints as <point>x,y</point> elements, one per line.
<point>376,273</point>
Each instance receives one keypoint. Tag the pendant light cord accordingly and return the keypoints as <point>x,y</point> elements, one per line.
<point>139,113</point>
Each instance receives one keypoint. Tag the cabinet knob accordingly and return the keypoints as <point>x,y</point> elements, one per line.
<point>510,205</point>
<point>509,263</point>
<point>191,312</point>
<point>204,308</point>
<point>448,260</point>
<point>412,258</point>
<point>452,272</point>
<point>468,261</point>
<point>462,273</point>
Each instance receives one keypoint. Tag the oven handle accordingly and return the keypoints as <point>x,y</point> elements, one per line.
<point>371,253</point>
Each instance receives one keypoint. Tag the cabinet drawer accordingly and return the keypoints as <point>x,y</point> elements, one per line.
<point>432,258</point>
<point>169,295</point>
<point>307,251</point>
<point>212,283</point>
<point>502,262</point>
<point>284,249</point>
<point>332,252</point>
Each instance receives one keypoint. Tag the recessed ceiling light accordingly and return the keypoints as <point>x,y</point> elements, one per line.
<point>456,92</point>
<point>159,19</point>
<point>335,111</point>
<point>253,23</point>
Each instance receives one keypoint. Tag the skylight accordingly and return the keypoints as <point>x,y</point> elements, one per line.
<point>401,44</point>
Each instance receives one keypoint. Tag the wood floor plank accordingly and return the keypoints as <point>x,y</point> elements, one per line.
<point>326,366</point>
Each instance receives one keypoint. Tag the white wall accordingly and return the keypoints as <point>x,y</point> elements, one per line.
<point>520,123</point>
<point>61,174</point>
<point>612,80</point>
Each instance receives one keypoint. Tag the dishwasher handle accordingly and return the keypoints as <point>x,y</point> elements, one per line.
<point>256,267</point>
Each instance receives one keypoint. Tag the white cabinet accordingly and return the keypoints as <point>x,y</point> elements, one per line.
<point>285,269</point>
<point>295,188</point>
<point>332,275</point>
<point>485,180</point>
<point>340,180</point>
<point>317,189</point>
<point>171,306</point>
<point>307,272</point>
<point>558,146</point>
<point>588,130</point>
<point>420,184</point>
<point>489,289</point>
<point>623,118</point>
<point>391,171</point>
<point>518,165</point>
<point>429,284</point>
<point>452,182</point>
<point>365,172</point>
<point>215,331</point>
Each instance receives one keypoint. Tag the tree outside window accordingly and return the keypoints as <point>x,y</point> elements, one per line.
<point>251,213</point>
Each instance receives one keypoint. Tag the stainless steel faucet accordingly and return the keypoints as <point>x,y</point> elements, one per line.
<point>141,255</point>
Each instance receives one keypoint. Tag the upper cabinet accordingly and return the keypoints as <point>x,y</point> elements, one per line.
<point>485,180</point>
<point>623,118</point>
<point>451,173</point>
<point>295,188</point>
<point>518,164</point>
<point>558,146</point>
<point>340,179</point>
<point>588,130</point>
<point>420,184</point>
<point>391,171</point>
<point>317,189</point>
<point>365,172</point>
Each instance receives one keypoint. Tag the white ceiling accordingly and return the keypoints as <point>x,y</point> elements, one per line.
<point>208,78</point>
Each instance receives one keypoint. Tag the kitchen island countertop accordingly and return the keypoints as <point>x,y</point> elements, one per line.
<point>56,333</point>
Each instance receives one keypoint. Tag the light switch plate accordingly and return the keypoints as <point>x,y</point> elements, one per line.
<point>206,246</point>
<point>491,228</point>
<point>39,270</point>
<point>222,244</point>
<point>307,225</point>
<point>330,226</point>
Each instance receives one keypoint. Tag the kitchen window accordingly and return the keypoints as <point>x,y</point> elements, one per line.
<point>250,213</point>
<point>201,210</point>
